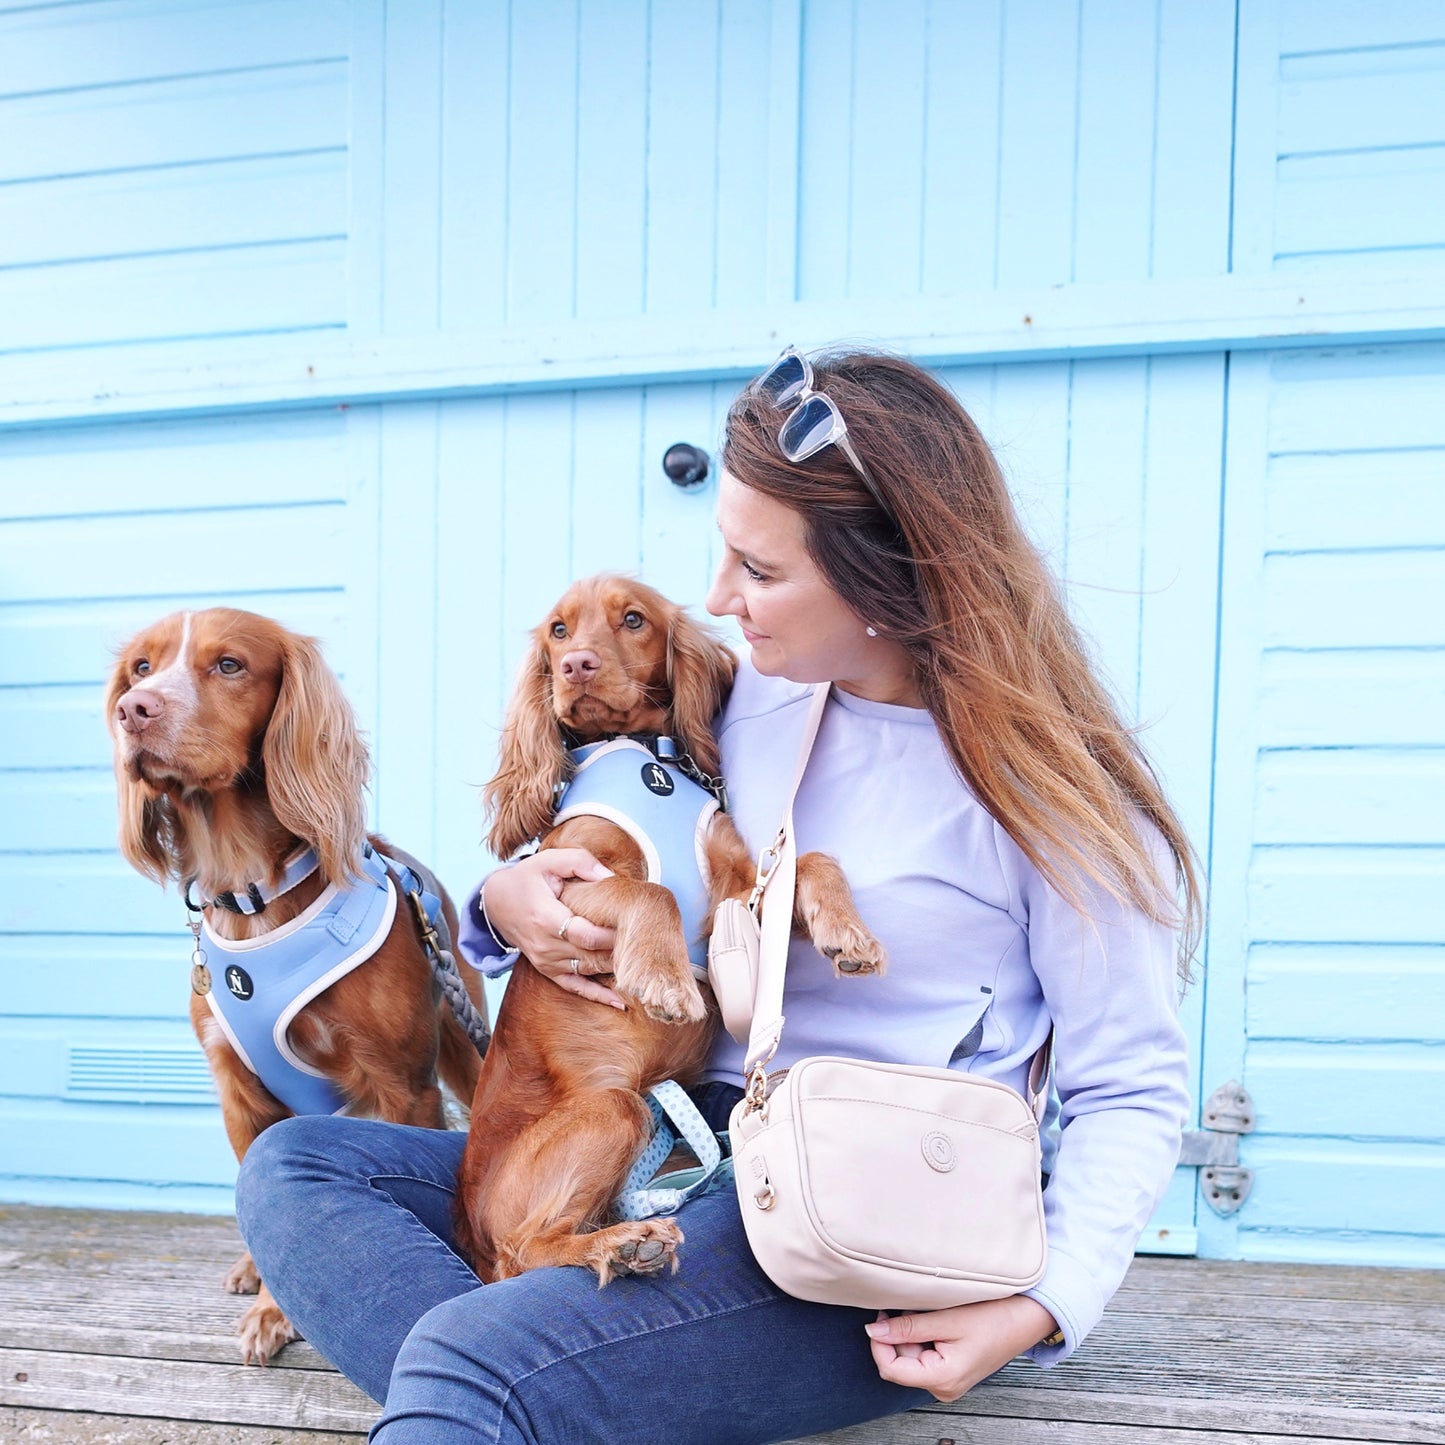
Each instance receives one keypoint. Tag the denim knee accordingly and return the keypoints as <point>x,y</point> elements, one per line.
<point>271,1161</point>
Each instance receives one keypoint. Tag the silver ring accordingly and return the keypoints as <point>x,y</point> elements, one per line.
<point>576,965</point>
<point>562,932</point>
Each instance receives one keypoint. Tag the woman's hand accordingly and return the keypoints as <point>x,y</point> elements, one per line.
<point>525,903</point>
<point>947,1352</point>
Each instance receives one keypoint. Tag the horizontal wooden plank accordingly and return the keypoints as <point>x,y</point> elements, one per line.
<point>1027,323</point>
<point>1342,1090</point>
<point>250,547</point>
<point>69,47</point>
<point>249,202</point>
<point>50,810</point>
<point>53,727</point>
<point>1373,98</point>
<point>1353,599</point>
<point>1307,27</point>
<point>53,974</point>
<point>182,1389</point>
<point>1359,201</point>
<point>143,467</point>
<point>69,1427</point>
<point>1312,500</point>
<point>257,290</point>
<point>1349,795</point>
<point>1346,895</point>
<point>1343,697</point>
<point>176,121</point>
<point>1284,1242</point>
<point>1372,993</point>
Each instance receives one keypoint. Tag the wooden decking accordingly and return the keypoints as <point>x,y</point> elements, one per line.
<point>113,1329</point>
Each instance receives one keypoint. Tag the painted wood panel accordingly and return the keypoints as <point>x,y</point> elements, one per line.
<point>1330,796</point>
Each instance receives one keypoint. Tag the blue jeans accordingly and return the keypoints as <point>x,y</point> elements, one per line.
<point>349,1222</point>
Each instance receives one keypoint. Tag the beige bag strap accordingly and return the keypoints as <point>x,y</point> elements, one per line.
<point>777,875</point>
<point>776,882</point>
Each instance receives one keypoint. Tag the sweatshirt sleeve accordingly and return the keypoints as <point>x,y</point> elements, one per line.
<point>477,943</point>
<point>1121,1069</point>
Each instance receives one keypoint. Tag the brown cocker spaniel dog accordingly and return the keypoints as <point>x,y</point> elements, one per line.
<point>558,1116</point>
<point>235,748</point>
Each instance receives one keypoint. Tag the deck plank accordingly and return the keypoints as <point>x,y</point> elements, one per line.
<point>124,1314</point>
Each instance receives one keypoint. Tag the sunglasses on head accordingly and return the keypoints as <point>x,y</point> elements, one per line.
<point>813,421</point>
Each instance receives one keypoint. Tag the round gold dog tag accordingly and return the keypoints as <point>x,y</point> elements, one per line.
<point>200,978</point>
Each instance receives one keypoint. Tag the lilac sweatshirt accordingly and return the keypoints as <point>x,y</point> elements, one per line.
<point>983,956</point>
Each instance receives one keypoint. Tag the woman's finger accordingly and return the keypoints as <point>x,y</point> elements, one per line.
<point>584,936</point>
<point>587,988</point>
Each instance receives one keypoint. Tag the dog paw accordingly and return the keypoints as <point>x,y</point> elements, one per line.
<point>264,1332</point>
<point>647,1247</point>
<point>853,952</point>
<point>242,1278</point>
<point>670,997</point>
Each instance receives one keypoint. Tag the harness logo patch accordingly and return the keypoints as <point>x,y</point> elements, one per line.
<point>656,780</point>
<point>239,981</point>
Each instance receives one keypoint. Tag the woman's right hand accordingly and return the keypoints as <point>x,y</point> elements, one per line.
<point>524,902</point>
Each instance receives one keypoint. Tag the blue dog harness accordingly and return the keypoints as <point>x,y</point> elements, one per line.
<point>662,809</point>
<point>261,984</point>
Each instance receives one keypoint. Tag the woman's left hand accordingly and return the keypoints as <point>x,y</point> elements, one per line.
<point>947,1352</point>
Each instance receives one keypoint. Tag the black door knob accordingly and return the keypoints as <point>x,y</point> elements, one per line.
<point>685,464</point>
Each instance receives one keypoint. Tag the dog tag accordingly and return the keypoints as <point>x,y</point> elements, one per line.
<point>200,974</point>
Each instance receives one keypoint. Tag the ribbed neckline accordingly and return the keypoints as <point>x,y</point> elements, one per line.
<point>889,711</point>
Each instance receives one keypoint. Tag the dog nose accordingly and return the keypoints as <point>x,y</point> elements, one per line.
<point>580,665</point>
<point>138,709</point>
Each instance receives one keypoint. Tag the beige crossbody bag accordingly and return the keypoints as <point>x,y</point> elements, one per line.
<point>885,1186</point>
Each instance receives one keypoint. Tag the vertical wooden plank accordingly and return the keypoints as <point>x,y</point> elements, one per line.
<point>611,159</point>
<point>961,153</point>
<point>1105,543</point>
<point>785,95</point>
<point>1194,138</point>
<point>1114,171</point>
<point>357,650</point>
<point>1255,129</point>
<point>609,465</point>
<point>1236,734</point>
<point>1037,142</point>
<point>411,226</point>
<point>471,686</point>
<point>750,98</point>
<point>676,525</point>
<point>1031,440</point>
<point>542,163</point>
<point>476,94</point>
<point>825,151</point>
<point>682,154</point>
<point>366,166</point>
<point>889,62</point>
<point>405,740</point>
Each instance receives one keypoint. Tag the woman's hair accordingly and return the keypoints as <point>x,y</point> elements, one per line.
<point>952,577</point>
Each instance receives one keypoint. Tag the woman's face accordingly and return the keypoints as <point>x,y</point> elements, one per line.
<point>796,624</point>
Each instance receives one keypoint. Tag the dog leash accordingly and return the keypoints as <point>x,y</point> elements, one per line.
<point>640,1197</point>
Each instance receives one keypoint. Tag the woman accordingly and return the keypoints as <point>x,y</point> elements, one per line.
<point>1006,841</point>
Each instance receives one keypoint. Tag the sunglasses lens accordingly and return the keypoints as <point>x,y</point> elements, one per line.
<point>810,429</point>
<point>784,379</point>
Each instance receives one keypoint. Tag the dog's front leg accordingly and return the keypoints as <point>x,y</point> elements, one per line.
<point>823,907</point>
<point>650,958</point>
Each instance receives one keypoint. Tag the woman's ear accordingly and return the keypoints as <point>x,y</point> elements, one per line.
<point>700,671</point>
<point>316,763</point>
<point>518,800</point>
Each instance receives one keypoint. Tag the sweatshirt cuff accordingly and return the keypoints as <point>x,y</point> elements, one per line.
<point>1069,1292</point>
<point>478,944</point>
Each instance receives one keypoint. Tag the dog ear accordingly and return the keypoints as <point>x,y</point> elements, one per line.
<point>316,763</point>
<point>700,671</point>
<point>518,801</point>
<point>146,839</point>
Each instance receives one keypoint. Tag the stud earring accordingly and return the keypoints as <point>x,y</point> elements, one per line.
<point>872,632</point>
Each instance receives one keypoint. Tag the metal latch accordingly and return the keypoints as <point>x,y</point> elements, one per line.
<point>1214,1149</point>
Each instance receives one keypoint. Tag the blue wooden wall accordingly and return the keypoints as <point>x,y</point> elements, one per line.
<point>379,316</point>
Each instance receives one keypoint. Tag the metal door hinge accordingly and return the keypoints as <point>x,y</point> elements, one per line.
<point>1214,1149</point>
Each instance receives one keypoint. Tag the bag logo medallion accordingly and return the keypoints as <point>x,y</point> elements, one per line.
<point>938,1152</point>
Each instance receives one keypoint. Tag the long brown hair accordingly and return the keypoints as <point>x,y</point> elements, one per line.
<point>939,562</point>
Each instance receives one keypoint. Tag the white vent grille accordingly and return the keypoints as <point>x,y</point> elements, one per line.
<point>140,1075</point>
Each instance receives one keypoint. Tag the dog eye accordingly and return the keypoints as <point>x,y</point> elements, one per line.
<point>559,630</point>
<point>142,668</point>
<point>632,620</point>
<point>229,666</point>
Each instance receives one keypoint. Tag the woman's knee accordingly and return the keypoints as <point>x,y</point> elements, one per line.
<point>290,1152</point>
